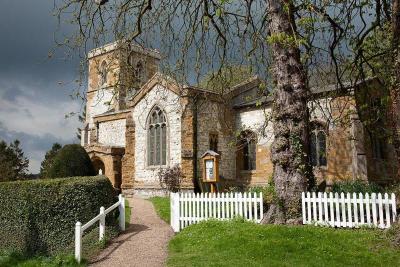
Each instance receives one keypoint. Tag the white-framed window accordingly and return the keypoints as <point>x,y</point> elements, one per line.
<point>157,138</point>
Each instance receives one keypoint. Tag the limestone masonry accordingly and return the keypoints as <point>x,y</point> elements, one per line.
<point>139,121</point>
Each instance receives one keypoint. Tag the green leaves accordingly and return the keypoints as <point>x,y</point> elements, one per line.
<point>38,216</point>
<point>71,160</point>
<point>13,163</point>
<point>285,40</point>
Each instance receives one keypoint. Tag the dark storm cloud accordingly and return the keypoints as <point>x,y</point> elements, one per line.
<point>27,29</point>
<point>32,103</point>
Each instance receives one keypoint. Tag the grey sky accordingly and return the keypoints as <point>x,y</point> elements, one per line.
<point>33,104</point>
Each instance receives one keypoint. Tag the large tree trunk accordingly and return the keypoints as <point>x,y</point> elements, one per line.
<point>290,115</point>
<point>395,86</point>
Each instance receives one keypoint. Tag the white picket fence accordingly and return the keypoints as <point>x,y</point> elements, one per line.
<point>101,218</point>
<point>350,210</point>
<point>190,208</point>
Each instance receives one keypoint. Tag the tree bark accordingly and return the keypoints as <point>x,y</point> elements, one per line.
<point>395,85</point>
<point>290,113</point>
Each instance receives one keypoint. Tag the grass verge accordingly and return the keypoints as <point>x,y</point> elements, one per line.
<point>18,260</point>
<point>162,206</point>
<point>92,246</point>
<point>128,213</point>
<point>239,243</point>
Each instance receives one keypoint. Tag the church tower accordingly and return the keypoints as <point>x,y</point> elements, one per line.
<point>116,73</point>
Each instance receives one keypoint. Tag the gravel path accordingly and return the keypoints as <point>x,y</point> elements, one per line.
<point>144,243</point>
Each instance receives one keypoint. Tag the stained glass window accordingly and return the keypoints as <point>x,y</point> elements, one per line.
<point>157,138</point>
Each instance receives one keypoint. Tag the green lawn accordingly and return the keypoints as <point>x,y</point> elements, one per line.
<point>18,260</point>
<point>238,243</point>
<point>162,206</point>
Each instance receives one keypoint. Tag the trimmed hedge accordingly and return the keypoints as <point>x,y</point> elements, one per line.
<point>356,186</point>
<point>39,216</point>
<point>71,160</point>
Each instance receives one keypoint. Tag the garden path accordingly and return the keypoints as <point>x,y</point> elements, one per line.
<point>144,243</point>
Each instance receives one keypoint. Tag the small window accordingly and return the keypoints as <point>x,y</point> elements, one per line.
<point>247,146</point>
<point>318,147</point>
<point>213,142</point>
<point>139,72</point>
<point>103,73</point>
<point>157,138</point>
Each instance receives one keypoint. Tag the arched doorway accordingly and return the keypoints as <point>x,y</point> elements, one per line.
<point>98,166</point>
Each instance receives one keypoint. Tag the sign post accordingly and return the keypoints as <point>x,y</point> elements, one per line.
<point>211,169</point>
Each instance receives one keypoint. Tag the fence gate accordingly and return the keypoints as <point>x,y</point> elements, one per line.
<point>190,208</point>
<point>350,210</point>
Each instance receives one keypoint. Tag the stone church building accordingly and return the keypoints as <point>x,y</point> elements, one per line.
<point>139,121</point>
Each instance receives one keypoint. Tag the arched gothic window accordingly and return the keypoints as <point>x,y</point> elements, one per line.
<point>157,138</point>
<point>318,146</point>
<point>247,146</point>
<point>103,73</point>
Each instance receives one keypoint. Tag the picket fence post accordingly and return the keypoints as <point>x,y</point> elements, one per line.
<point>78,241</point>
<point>394,211</point>
<point>102,223</point>
<point>174,204</point>
<point>189,208</point>
<point>348,210</point>
<point>121,208</point>
<point>101,217</point>
<point>261,206</point>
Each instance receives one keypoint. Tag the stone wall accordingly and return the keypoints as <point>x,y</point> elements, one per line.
<point>102,97</point>
<point>128,161</point>
<point>256,120</point>
<point>111,159</point>
<point>128,79</point>
<point>336,114</point>
<point>120,76</point>
<point>146,176</point>
<point>188,142</point>
<point>112,133</point>
<point>215,118</point>
<point>99,102</point>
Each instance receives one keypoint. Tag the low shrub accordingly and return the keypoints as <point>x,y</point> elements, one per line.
<point>39,216</point>
<point>71,160</point>
<point>171,178</point>
<point>269,195</point>
<point>356,186</point>
<point>394,188</point>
